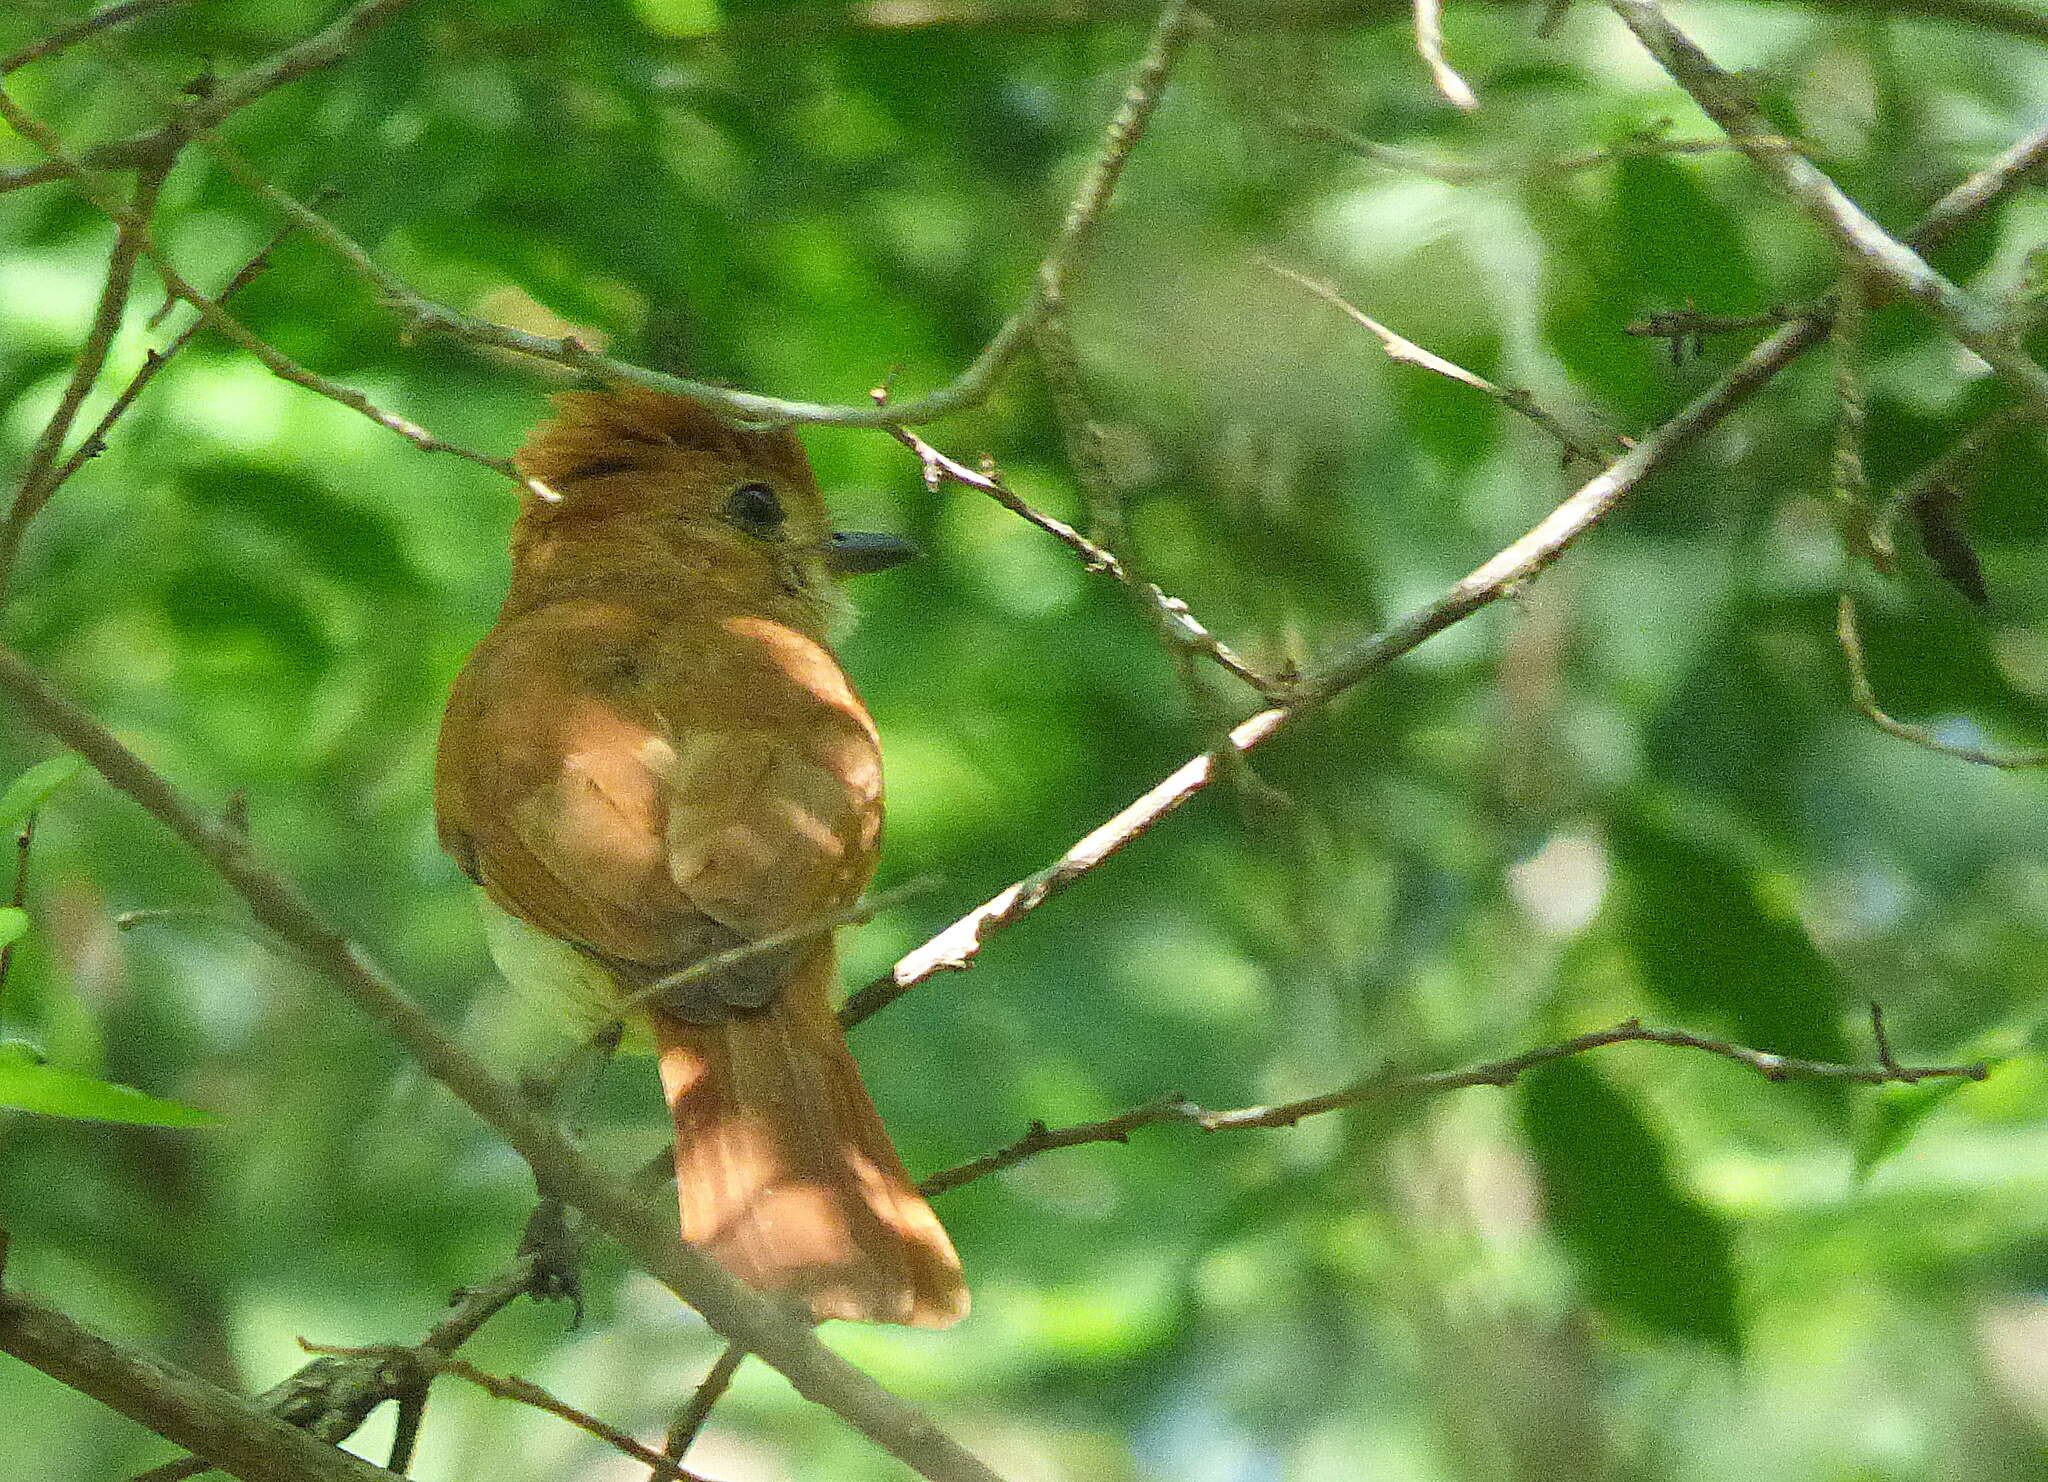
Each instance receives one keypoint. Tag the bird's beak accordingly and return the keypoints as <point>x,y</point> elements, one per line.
<point>856,552</point>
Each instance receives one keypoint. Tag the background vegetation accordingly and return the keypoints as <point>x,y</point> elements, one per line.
<point>1637,789</point>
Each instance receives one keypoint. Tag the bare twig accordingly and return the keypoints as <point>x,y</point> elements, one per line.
<point>1691,324</point>
<point>39,480</point>
<point>77,31</point>
<point>1453,171</point>
<point>1887,260</point>
<point>1061,366</point>
<point>1183,638</point>
<point>511,1387</point>
<point>276,361</point>
<point>976,18</point>
<point>954,948</point>
<point>1848,482</point>
<point>819,926</point>
<point>226,96</point>
<point>1429,41</point>
<point>733,1310</point>
<point>690,1420</point>
<point>1176,26</point>
<point>1406,352</point>
<point>1178,1109</point>
<point>1860,690</point>
<point>332,1398</point>
<point>153,363</point>
<point>1173,614</point>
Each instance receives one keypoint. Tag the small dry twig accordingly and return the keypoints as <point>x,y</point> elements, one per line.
<point>1178,1109</point>
<point>1405,351</point>
<point>1851,640</point>
<point>1429,41</point>
<point>690,1420</point>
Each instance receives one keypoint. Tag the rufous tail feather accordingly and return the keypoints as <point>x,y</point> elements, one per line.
<point>784,1173</point>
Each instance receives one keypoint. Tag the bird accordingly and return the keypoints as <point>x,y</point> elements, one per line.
<point>654,758</point>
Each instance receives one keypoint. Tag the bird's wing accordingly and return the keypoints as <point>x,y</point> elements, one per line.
<point>694,799</point>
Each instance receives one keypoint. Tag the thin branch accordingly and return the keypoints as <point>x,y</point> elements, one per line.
<point>1890,262</point>
<point>1691,324</point>
<point>78,30</point>
<point>1179,1110</point>
<point>1405,351</point>
<point>1851,640</point>
<point>276,361</point>
<point>1060,363</point>
<point>976,18</point>
<point>954,948</point>
<point>1452,171</point>
<point>1173,614</point>
<point>804,931</point>
<point>1950,469</point>
<point>1176,26</point>
<point>331,1398</point>
<point>690,1420</point>
<point>1183,638</point>
<point>39,480</point>
<point>1429,41</point>
<point>153,363</point>
<point>520,1391</point>
<point>226,96</point>
<point>1848,479</point>
<point>733,1310</point>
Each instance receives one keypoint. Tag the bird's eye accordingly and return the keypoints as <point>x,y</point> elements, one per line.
<point>755,509</point>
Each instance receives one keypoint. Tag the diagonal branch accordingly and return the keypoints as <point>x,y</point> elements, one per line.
<point>1850,638</point>
<point>70,35</point>
<point>317,52</point>
<point>733,1310</point>
<point>97,190</point>
<point>1177,25</point>
<point>233,1433</point>
<point>1405,351</point>
<point>1889,262</point>
<point>41,477</point>
<point>954,948</point>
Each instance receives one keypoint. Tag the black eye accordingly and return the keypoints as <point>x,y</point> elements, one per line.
<point>755,509</point>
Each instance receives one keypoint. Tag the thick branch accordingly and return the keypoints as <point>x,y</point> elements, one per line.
<point>225,1428</point>
<point>733,1310</point>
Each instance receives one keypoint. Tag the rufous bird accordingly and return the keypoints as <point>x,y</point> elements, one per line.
<point>654,757</point>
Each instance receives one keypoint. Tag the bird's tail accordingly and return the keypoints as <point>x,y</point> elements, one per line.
<point>784,1172</point>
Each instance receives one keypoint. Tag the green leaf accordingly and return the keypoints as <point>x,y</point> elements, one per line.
<point>1710,941</point>
<point>1647,1252</point>
<point>28,1085</point>
<point>32,788</point>
<point>1887,1121</point>
<point>13,925</point>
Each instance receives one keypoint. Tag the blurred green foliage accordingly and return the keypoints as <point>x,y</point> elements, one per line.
<point>1638,789</point>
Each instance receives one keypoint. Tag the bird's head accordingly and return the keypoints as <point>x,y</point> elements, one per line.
<point>740,507</point>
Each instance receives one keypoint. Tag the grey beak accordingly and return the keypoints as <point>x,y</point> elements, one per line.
<point>856,552</point>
